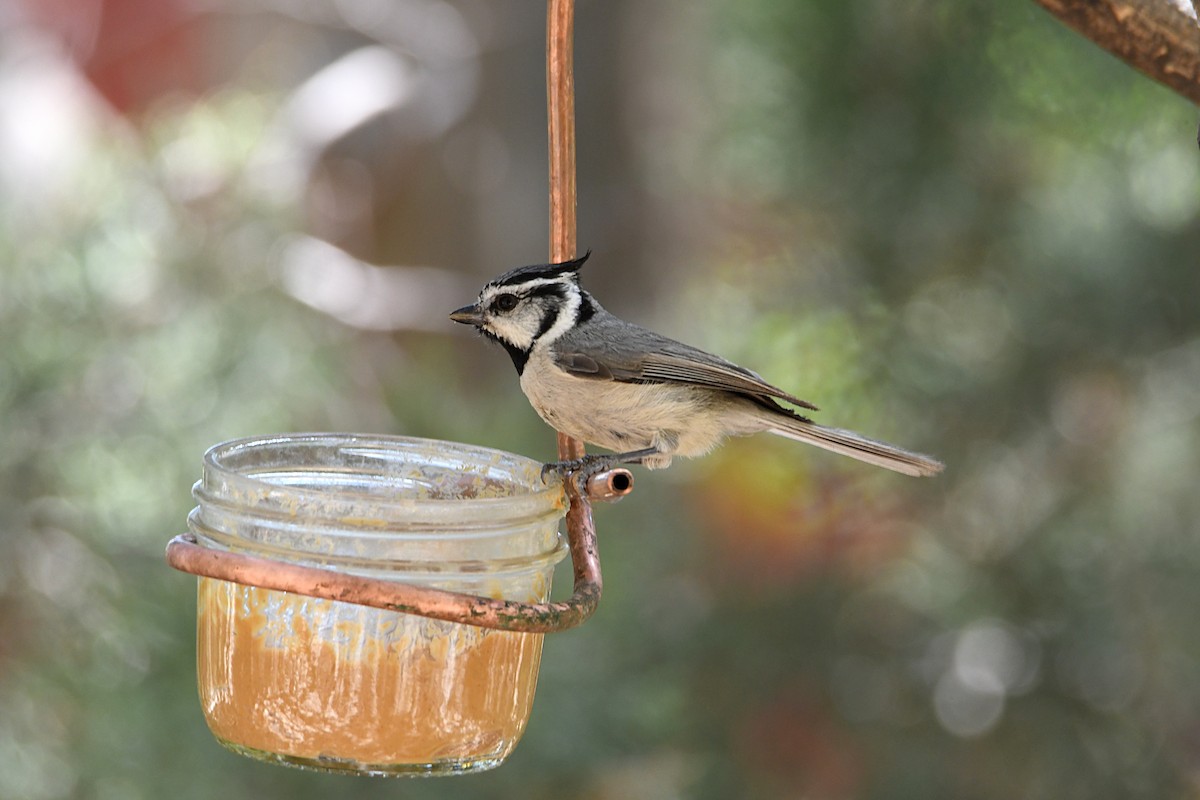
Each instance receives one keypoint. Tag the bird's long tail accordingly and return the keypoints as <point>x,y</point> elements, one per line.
<point>849,443</point>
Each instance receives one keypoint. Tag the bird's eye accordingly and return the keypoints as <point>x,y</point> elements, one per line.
<point>505,302</point>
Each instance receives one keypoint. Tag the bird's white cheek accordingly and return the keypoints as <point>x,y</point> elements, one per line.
<point>513,333</point>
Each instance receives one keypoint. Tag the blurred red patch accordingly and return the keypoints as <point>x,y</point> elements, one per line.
<point>133,51</point>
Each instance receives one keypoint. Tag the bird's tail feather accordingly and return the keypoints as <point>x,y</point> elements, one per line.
<point>849,443</point>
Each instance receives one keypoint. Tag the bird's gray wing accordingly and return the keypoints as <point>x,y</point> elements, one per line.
<point>619,351</point>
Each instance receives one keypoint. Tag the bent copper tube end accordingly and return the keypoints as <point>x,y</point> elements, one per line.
<point>612,484</point>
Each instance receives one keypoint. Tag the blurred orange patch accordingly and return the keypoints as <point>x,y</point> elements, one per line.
<point>774,521</point>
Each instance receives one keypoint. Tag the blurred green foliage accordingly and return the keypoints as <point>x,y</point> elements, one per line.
<point>953,225</point>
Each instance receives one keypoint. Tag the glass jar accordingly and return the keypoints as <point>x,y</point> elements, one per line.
<point>340,687</point>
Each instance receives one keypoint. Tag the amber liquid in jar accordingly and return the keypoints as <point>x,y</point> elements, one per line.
<point>334,686</point>
<point>341,687</point>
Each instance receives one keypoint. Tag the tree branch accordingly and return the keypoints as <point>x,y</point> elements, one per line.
<point>1156,37</point>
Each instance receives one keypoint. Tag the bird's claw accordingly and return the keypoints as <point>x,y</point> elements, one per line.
<point>582,469</point>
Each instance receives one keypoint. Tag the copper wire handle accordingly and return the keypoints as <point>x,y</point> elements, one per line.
<point>185,554</point>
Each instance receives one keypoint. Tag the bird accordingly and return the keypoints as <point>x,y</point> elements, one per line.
<point>645,397</point>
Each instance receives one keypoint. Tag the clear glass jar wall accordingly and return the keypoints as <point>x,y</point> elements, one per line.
<point>334,686</point>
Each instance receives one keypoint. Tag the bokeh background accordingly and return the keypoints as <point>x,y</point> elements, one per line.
<point>956,225</point>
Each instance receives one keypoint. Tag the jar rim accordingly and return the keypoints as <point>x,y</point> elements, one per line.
<point>527,500</point>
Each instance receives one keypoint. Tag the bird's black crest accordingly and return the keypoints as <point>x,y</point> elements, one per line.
<point>522,274</point>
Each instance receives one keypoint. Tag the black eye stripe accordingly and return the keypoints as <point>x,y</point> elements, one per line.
<point>548,290</point>
<point>502,302</point>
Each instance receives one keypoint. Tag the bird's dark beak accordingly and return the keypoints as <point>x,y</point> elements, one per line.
<point>468,315</point>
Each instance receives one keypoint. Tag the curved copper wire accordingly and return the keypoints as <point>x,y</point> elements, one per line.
<point>185,554</point>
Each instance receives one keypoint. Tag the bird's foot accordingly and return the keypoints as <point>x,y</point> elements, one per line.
<point>589,466</point>
<point>583,469</point>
